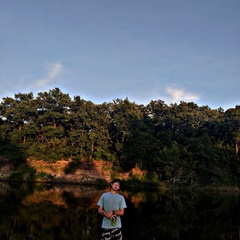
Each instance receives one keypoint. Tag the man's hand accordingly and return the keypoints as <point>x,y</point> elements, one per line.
<point>110,215</point>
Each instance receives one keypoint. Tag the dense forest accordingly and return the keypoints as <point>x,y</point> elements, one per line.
<point>177,143</point>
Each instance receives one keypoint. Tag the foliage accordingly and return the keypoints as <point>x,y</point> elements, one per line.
<point>101,183</point>
<point>178,143</point>
<point>71,167</point>
<point>13,153</point>
<point>43,176</point>
<point>24,174</point>
<point>135,184</point>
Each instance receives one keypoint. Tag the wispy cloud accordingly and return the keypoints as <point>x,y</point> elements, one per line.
<point>53,71</point>
<point>180,94</point>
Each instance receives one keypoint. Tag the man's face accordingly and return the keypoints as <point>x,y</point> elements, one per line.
<point>115,186</point>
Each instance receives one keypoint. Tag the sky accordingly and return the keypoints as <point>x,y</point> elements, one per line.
<point>143,50</point>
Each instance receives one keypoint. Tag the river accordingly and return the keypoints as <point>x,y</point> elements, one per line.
<point>69,212</point>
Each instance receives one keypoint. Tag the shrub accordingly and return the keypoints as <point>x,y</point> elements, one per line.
<point>24,174</point>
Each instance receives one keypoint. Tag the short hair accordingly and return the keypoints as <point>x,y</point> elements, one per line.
<point>115,180</point>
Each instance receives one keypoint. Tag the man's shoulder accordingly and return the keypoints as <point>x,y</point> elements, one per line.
<point>120,195</point>
<point>105,194</point>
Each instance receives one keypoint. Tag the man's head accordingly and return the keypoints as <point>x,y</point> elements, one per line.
<point>115,184</point>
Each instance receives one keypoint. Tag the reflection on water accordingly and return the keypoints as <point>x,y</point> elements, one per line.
<point>69,212</point>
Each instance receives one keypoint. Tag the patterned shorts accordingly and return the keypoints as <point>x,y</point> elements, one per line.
<point>111,234</point>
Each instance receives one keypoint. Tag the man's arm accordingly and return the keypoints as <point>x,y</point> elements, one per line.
<point>119,212</point>
<point>101,211</point>
<point>105,214</point>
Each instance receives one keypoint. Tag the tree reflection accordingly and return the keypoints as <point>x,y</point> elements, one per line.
<point>70,212</point>
<point>184,217</point>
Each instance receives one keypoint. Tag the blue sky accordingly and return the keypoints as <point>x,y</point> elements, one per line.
<point>101,50</point>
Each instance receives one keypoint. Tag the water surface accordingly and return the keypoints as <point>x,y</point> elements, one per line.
<point>69,212</point>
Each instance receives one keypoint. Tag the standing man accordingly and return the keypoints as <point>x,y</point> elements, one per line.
<point>111,206</point>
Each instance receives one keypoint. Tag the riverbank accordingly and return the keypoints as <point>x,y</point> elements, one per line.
<point>96,172</point>
<point>86,172</point>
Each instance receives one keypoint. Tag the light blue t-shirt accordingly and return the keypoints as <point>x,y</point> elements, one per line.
<point>111,202</point>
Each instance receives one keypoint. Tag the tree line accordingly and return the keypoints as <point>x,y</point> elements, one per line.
<point>178,143</point>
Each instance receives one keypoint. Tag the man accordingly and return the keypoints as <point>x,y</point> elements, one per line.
<point>111,206</point>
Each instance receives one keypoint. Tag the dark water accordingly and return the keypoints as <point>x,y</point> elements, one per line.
<point>70,212</point>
